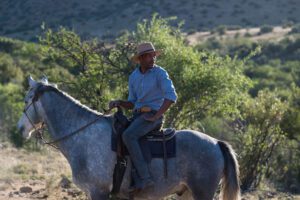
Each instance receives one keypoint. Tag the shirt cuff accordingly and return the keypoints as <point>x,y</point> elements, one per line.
<point>131,100</point>
<point>171,96</point>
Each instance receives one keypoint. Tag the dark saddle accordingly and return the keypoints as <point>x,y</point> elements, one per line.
<point>153,145</point>
<point>158,143</point>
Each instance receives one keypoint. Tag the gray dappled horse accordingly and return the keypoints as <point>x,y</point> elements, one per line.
<point>195,173</point>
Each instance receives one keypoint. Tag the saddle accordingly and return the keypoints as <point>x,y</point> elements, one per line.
<point>158,143</point>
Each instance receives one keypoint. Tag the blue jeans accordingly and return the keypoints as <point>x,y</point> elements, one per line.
<point>138,128</point>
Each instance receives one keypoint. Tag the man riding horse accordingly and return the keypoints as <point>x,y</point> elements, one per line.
<point>85,138</point>
<point>151,93</point>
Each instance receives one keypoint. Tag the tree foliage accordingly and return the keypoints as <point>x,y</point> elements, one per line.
<point>11,97</point>
<point>259,133</point>
<point>275,69</point>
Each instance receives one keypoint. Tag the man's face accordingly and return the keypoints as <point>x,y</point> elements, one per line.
<point>148,59</point>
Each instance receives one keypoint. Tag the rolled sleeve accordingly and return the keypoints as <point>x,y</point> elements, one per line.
<point>167,86</point>
<point>131,94</point>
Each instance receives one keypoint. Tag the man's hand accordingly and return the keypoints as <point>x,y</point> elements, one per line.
<point>114,103</point>
<point>124,104</point>
<point>150,117</point>
<point>165,106</point>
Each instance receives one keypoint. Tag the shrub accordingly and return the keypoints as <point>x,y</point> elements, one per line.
<point>295,29</point>
<point>259,134</point>
<point>221,30</point>
<point>191,31</point>
<point>287,24</point>
<point>265,29</point>
<point>247,34</point>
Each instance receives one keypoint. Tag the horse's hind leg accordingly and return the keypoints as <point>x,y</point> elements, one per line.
<point>99,196</point>
<point>199,194</point>
<point>187,195</point>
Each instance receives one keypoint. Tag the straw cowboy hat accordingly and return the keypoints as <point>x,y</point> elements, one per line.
<point>145,47</point>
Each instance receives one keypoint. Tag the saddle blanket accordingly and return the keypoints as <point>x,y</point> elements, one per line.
<point>151,147</point>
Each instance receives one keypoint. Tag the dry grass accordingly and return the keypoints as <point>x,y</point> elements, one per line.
<point>277,34</point>
<point>41,171</point>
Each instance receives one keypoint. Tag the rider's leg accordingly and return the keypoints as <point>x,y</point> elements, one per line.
<point>138,128</point>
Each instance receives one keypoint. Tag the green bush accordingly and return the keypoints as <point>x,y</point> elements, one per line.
<point>221,30</point>
<point>265,29</point>
<point>11,106</point>
<point>295,29</point>
<point>259,134</point>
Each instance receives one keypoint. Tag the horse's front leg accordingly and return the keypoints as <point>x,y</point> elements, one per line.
<point>97,194</point>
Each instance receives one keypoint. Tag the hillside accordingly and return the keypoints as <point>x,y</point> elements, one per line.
<point>22,19</point>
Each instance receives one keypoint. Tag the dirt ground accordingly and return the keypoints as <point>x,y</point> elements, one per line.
<point>35,175</point>
<point>46,175</point>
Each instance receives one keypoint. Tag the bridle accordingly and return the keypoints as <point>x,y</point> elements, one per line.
<point>39,131</point>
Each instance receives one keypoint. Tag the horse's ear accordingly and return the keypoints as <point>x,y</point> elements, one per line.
<point>31,81</point>
<point>54,85</point>
<point>44,79</point>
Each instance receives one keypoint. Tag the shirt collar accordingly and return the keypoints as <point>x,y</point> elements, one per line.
<point>149,71</point>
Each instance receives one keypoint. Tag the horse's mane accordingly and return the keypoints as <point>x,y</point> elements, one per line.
<point>43,87</point>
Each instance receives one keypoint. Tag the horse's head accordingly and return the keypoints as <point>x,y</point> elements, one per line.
<point>31,119</point>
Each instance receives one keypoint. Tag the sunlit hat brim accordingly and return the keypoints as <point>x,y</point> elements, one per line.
<point>135,58</point>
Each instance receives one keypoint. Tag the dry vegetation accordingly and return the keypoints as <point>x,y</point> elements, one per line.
<point>35,175</point>
<point>278,33</point>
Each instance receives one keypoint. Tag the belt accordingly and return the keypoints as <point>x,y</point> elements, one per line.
<point>143,109</point>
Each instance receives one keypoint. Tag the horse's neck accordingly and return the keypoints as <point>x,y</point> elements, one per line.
<point>63,116</point>
<point>90,148</point>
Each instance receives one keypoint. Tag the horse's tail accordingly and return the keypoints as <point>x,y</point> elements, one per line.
<point>230,182</point>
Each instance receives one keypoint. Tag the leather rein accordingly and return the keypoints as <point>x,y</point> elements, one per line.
<point>39,131</point>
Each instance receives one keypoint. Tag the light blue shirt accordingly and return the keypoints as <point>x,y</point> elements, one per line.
<point>150,89</point>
